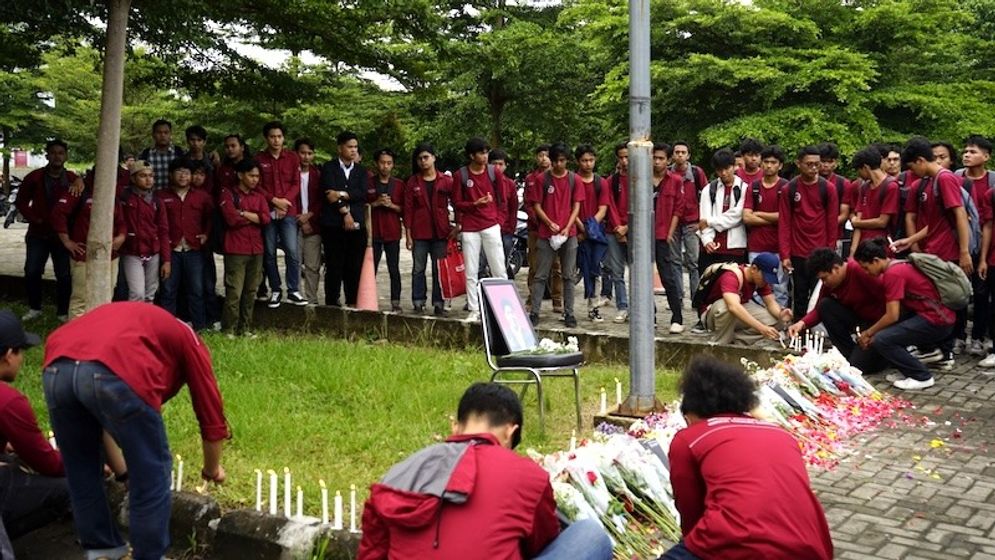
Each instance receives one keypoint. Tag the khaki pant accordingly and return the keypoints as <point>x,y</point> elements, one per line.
<point>243,273</point>
<point>555,278</point>
<point>727,328</point>
<point>77,301</point>
<point>310,247</point>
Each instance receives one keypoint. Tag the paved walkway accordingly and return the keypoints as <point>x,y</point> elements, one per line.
<point>918,488</point>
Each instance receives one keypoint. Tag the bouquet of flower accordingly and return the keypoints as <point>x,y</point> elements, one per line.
<point>549,346</point>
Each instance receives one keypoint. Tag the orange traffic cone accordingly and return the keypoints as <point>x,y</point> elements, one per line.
<point>366,299</point>
<point>657,285</point>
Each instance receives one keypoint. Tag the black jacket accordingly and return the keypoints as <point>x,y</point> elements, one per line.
<point>333,179</point>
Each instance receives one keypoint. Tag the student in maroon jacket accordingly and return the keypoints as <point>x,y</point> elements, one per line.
<point>245,211</point>
<point>532,181</point>
<point>736,503</point>
<point>35,198</point>
<point>472,497</point>
<point>689,247</point>
<point>508,212</point>
<point>71,222</point>
<point>850,299</point>
<point>189,215</point>
<point>669,207</point>
<point>751,150</point>
<point>225,176</point>
<point>807,220</point>
<point>145,255</point>
<point>32,479</point>
<point>914,315</point>
<point>617,225</point>
<point>977,152</point>
<point>308,220</point>
<point>280,183</point>
<point>593,239</point>
<point>877,199</point>
<point>426,214</point>
<point>556,204</point>
<point>385,195</point>
<point>760,214</point>
<point>846,191</point>
<point>118,382</point>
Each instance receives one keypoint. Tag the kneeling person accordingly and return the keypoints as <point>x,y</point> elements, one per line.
<point>727,305</point>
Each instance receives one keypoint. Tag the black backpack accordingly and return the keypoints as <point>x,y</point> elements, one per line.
<point>548,182</point>
<point>713,191</point>
<point>708,278</point>
<point>464,178</point>
<point>823,191</point>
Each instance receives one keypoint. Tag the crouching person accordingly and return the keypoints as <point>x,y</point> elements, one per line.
<point>473,497</point>
<point>725,300</point>
<point>717,475</point>
<point>914,315</point>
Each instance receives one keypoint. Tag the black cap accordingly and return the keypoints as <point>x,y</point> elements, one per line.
<point>12,334</point>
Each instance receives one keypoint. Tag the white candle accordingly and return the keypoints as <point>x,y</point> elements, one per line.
<point>286,491</point>
<point>273,487</point>
<point>179,473</point>
<point>51,440</point>
<point>618,393</point>
<point>604,402</point>
<point>337,524</point>
<point>300,503</point>
<point>324,502</point>
<point>352,508</point>
<point>172,479</point>
<point>573,440</point>
<point>259,490</point>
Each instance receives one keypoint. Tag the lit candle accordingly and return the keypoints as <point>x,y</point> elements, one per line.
<point>300,503</point>
<point>286,491</point>
<point>273,487</point>
<point>172,479</point>
<point>604,402</point>
<point>324,502</point>
<point>179,473</point>
<point>337,524</point>
<point>51,440</point>
<point>573,440</point>
<point>618,393</point>
<point>259,490</point>
<point>352,508</point>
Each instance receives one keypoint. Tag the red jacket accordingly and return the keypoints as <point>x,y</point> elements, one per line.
<point>72,209</point>
<point>669,204</point>
<point>19,428</point>
<point>508,212</point>
<point>737,504</point>
<point>618,211</point>
<point>32,203</point>
<point>386,222</point>
<point>427,219</point>
<point>281,178</point>
<point>225,177</point>
<point>473,218</point>
<point>315,198</point>
<point>187,217</point>
<point>155,353</point>
<point>148,228</point>
<point>487,502</point>
<point>243,237</point>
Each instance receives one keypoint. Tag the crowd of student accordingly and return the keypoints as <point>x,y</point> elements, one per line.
<point>176,209</point>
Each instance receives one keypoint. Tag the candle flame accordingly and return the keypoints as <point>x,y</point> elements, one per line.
<point>271,472</point>
<point>321,483</point>
<point>352,487</point>
<point>286,470</point>
<point>178,458</point>
<point>298,488</point>
<point>259,471</point>
<point>338,494</point>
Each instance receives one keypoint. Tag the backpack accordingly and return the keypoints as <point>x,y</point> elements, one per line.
<point>757,186</point>
<point>973,220</point>
<point>708,278</point>
<point>969,183</point>
<point>953,285</point>
<point>548,182</point>
<point>823,191</point>
<point>713,191</point>
<point>840,188</point>
<point>897,227</point>
<point>464,177</point>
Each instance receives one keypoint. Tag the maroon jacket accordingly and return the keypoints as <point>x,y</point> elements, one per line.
<point>428,219</point>
<point>315,198</point>
<point>148,228</point>
<point>155,353</point>
<point>386,222</point>
<point>243,237</point>
<point>187,217</point>
<point>508,212</point>
<point>32,203</point>
<point>281,178</point>
<point>71,208</point>
<point>19,428</point>
<point>466,498</point>
<point>225,177</point>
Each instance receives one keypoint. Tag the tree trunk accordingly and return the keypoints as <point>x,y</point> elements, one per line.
<point>99,276</point>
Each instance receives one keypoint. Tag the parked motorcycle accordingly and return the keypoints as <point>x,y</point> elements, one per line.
<point>7,207</point>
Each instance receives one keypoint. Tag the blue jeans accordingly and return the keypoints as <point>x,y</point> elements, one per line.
<point>37,251</point>
<point>282,232</point>
<point>590,255</point>
<point>188,270</point>
<point>615,264</point>
<point>665,266</point>
<point>582,540</point>
<point>780,289</point>
<point>678,552</point>
<point>84,399</point>
<point>891,344</point>
<point>421,251</point>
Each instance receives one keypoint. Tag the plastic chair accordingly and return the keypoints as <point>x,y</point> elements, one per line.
<point>508,339</point>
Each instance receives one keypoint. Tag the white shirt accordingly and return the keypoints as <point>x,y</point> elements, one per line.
<point>346,170</point>
<point>305,180</point>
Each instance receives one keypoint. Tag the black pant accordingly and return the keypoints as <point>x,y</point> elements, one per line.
<point>841,322</point>
<point>393,250</point>
<point>344,252</point>
<point>801,291</point>
<point>38,250</point>
<point>30,501</point>
<point>668,276</point>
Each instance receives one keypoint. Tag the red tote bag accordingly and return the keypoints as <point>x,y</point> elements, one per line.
<point>452,272</point>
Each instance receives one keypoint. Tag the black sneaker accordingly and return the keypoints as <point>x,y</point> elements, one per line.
<point>570,321</point>
<point>439,311</point>
<point>534,318</point>
<point>595,316</point>
<point>395,306</point>
<point>262,295</point>
<point>274,300</point>
<point>419,308</point>
<point>698,328</point>
<point>296,298</point>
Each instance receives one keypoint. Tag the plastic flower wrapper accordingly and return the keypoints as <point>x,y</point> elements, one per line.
<point>646,476</point>
<point>586,478</point>
<point>572,344</point>
<point>571,503</point>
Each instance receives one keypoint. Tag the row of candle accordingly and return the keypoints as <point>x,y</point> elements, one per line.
<point>810,342</point>
<point>604,397</point>
<point>337,520</point>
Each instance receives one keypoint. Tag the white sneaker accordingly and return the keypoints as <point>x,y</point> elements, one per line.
<point>622,316</point>
<point>31,314</point>
<point>931,357</point>
<point>988,362</point>
<point>910,384</point>
<point>893,377</point>
<point>676,328</point>
<point>473,317</point>
<point>601,301</point>
<point>977,347</point>
<point>216,327</point>
<point>945,365</point>
<point>960,345</point>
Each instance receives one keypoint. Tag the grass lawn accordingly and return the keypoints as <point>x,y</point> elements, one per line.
<point>340,411</point>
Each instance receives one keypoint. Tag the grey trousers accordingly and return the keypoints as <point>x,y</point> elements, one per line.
<point>544,264</point>
<point>142,276</point>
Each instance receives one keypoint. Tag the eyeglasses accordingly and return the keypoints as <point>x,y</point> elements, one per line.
<point>809,164</point>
